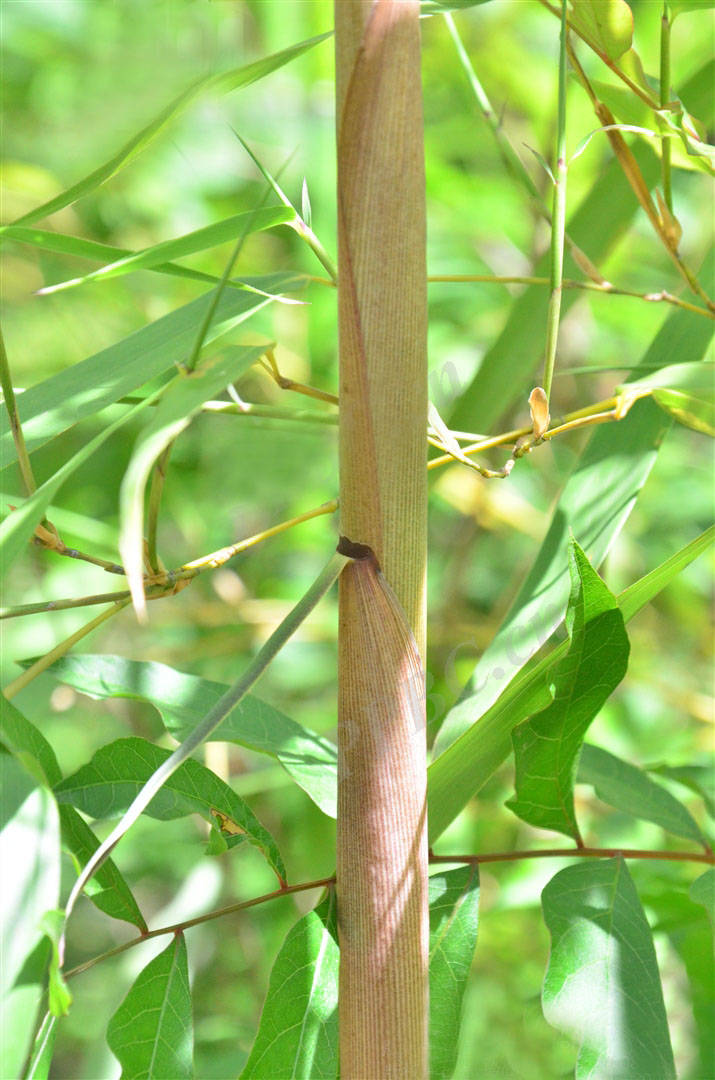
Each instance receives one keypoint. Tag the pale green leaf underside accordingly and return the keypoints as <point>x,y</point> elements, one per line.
<point>602,986</point>
<point>454,918</point>
<point>546,746</point>
<point>151,1033</point>
<point>107,785</point>
<point>630,790</point>
<point>184,700</point>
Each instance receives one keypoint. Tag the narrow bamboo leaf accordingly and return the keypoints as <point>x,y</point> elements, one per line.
<point>602,986</point>
<point>223,82</point>
<point>506,372</point>
<point>616,462</point>
<point>454,917</point>
<point>608,24</point>
<point>58,993</point>
<point>108,889</point>
<point>629,789</point>
<point>30,857</point>
<point>686,391</point>
<point>200,240</point>
<point>702,891</point>
<point>109,782</point>
<point>82,248</point>
<point>183,701</point>
<point>467,764</point>
<point>19,525</point>
<point>42,1050</point>
<point>298,1031</point>
<point>58,403</point>
<point>698,778</point>
<point>180,402</point>
<point>152,1033</point>
<point>546,746</point>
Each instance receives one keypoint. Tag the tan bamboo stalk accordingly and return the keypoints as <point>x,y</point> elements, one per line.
<point>382,315</point>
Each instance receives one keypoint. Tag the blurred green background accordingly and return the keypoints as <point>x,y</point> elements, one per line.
<point>78,79</point>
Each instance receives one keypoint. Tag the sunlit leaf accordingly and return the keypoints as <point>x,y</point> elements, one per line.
<point>454,918</point>
<point>222,82</point>
<point>602,986</point>
<point>459,772</point>
<point>106,786</point>
<point>42,1050</point>
<point>30,857</point>
<point>180,402</point>
<point>546,746</point>
<point>298,1030</point>
<point>630,790</point>
<point>685,391</point>
<point>151,1033</point>
<point>677,7</point>
<point>183,701</point>
<point>607,24</point>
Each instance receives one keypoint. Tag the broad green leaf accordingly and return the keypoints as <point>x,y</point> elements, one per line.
<point>686,391</point>
<point>107,889</point>
<point>183,701</point>
<point>42,1050</point>
<point>702,891</point>
<point>221,83</point>
<point>607,24</point>
<point>615,464</point>
<point>58,403</point>
<point>30,857</point>
<point>602,986</point>
<point>677,7</point>
<point>698,778</point>
<point>453,918</point>
<point>200,240</point>
<point>467,764</point>
<point>19,525</point>
<point>298,1031</point>
<point>180,402</point>
<point>152,1033</point>
<point>106,786</point>
<point>629,789</point>
<point>506,373</point>
<point>547,745</point>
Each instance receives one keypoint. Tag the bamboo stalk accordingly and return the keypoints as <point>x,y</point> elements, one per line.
<point>382,852</point>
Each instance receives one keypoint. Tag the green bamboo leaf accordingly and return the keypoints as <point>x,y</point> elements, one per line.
<point>630,790</point>
<point>221,83</point>
<point>107,889</point>
<point>151,1033</point>
<point>685,391</point>
<point>18,526</point>
<point>59,997</point>
<point>547,745</point>
<point>607,24</point>
<point>30,856</point>
<point>179,403</point>
<point>702,891</point>
<point>183,701</point>
<point>616,462</point>
<point>602,986</point>
<point>150,258</point>
<point>467,764</point>
<point>454,918</point>
<point>106,786</point>
<point>506,372</point>
<point>697,778</point>
<point>438,7</point>
<point>677,7</point>
<point>42,1050</point>
<point>298,1031</point>
<point>58,403</point>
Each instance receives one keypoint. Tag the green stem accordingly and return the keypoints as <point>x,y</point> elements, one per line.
<point>558,226</point>
<point>23,458</point>
<point>664,99</point>
<point>157,486</point>
<point>210,722</point>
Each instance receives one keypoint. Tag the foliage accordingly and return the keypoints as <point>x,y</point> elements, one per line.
<point>151,379</point>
